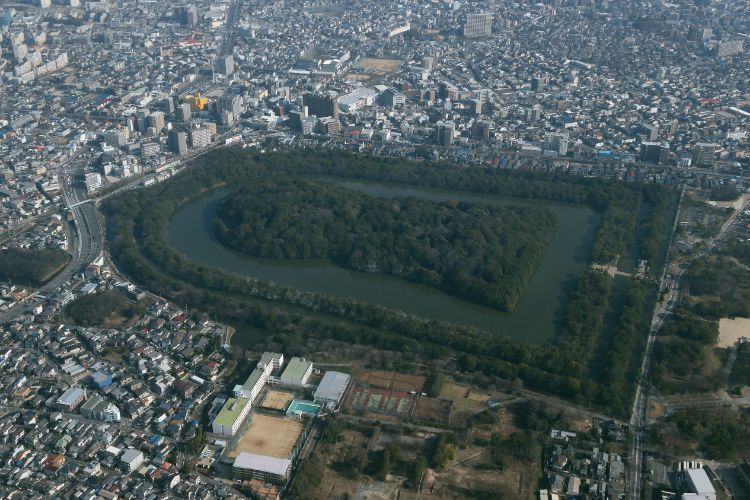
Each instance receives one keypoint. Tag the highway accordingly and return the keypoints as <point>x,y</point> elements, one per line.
<point>661,311</point>
<point>86,242</point>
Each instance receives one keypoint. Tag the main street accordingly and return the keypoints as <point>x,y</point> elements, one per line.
<point>661,311</point>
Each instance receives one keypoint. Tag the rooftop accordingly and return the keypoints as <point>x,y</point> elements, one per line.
<point>332,386</point>
<point>71,396</point>
<point>230,411</point>
<point>296,369</point>
<point>272,465</point>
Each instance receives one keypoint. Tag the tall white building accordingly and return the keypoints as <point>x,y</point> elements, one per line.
<point>478,25</point>
<point>93,181</point>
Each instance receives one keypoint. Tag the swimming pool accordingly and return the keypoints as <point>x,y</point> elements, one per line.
<point>299,406</point>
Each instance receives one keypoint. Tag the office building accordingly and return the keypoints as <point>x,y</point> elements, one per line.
<point>225,65</point>
<point>558,142</point>
<point>481,130</point>
<point>184,112</point>
<point>478,25</point>
<point>534,114</point>
<point>93,181</point>
<point>200,137</point>
<point>178,142</point>
<point>704,154</point>
<point>232,103</point>
<point>187,15</point>
<point>97,408</point>
<point>131,459</point>
<point>150,149</point>
<point>156,120</point>
<point>321,106</point>
<point>730,48</point>
<point>539,83</point>
<point>392,98</point>
<point>444,133</point>
<point>329,125</point>
<point>654,152</point>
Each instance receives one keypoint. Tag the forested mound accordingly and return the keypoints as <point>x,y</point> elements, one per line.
<point>31,266</point>
<point>482,253</point>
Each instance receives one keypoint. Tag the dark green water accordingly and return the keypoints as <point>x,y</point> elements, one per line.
<point>534,320</point>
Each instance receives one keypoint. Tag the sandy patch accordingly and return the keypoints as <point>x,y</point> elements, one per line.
<point>270,436</point>
<point>731,330</point>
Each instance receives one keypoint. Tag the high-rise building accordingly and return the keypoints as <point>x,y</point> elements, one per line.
<point>534,114</point>
<point>704,154</point>
<point>184,113</point>
<point>178,142</point>
<point>478,25</point>
<point>558,142</point>
<point>444,133</point>
<point>93,181</point>
<point>187,15</point>
<point>481,130</point>
<point>156,120</point>
<point>231,103</point>
<point>150,149</point>
<point>321,106</point>
<point>539,83</point>
<point>225,65</point>
<point>730,48</point>
<point>654,152</point>
<point>200,137</point>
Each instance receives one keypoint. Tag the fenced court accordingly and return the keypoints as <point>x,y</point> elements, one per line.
<point>383,401</point>
<point>276,400</point>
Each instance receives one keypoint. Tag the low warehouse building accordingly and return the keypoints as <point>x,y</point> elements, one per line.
<point>261,467</point>
<point>71,398</point>
<point>331,389</point>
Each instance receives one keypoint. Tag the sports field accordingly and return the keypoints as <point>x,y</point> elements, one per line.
<point>393,380</point>
<point>384,401</point>
<point>384,65</point>
<point>270,436</point>
<point>276,400</point>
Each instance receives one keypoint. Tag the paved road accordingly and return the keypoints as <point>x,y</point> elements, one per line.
<point>640,404</point>
<point>86,244</point>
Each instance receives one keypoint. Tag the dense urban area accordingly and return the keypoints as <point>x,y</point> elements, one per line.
<point>375,250</point>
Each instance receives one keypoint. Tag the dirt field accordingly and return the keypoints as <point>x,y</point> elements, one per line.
<point>731,330</point>
<point>384,65</point>
<point>466,401</point>
<point>432,409</point>
<point>276,400</point>
<point>270,436</point>
<point>393,380</point>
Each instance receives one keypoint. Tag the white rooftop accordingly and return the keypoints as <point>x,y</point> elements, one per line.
<point>264,463</point>
<point>332,386</point>
<point>700,481</point>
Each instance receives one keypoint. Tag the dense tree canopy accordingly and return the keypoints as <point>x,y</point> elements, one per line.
<point>483,253</point>
<point>31,266</point>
